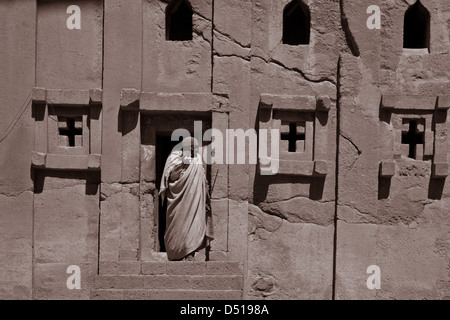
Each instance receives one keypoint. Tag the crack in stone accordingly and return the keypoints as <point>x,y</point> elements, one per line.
<point>231,56</point>
<point>199,33</point>
<point>215,29</point>
<point>16,195</point>
<point>296,70</point>
<point>351,42</point>
<point>354,145</point>
<point>292,217</point>
<point>299,197</point>
<point>275,230</point>
<point>202,16</point>
<point>271,60</point>
<point>371,219</point>
<point>261,212</point>
<point>232,39</point>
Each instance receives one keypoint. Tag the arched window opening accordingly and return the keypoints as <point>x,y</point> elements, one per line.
<point>179,21</point>
<point>296,23</point>
<point>416,30</point>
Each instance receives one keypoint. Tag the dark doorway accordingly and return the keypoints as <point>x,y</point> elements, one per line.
<point>164,146</point>
<point>156,130</point>
<point>296,23</point>
<point>179,21</point>
<point>416,29</point>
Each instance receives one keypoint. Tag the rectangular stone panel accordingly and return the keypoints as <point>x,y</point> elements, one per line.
<point>412,102</point>
<point>66,217</point>
<point>152,101</point>
<point>69,58</point>
<point>171,65</point>
<point>288,102</point>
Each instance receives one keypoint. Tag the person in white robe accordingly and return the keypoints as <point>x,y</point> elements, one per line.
<point>188,218</point>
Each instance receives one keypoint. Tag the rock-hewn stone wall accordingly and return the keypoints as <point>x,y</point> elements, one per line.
<point>356,198</point>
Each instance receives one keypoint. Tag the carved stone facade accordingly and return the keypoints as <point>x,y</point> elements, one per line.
<point>363,119</point>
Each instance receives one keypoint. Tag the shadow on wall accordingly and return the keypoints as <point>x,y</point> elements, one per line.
<point>261,185</point>
<point>127,121</point>
<point>435,188</point>
<point>436,184</point>
<point>91,179</point>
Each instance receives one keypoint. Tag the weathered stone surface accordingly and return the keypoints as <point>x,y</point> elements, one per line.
<point>65,232</point>
<point>172,65</point>
<point>110,226</point>
<point>118,294</point>
<point>94,161</point>
<point>95,96</point>
<point>17,66</point>
<point>152,101</point>
<point>186,282</point>
<point>280,255</point>
<point>387,169</point>
<point>67,97</point>
<point>120,268</point>
<point>413,260</point>
<point>440,170</point>
<point>39,95</point>
<point>16,246</point>
<point>384,225</point>
<point>219,267</point>
<point>131,137</point>
<point>83,48</point>
<point>151,268</point>
<point>195,294</point>
<point>122,59</point>
<point>38,159</point>
<point>220,212</point>
<point>355,192</point>
<point>50,281</point>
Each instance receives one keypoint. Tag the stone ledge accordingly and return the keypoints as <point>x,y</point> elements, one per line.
<point>412,102</point>
<point>443,102</point>
<point>129,99</point>
<point>440,170</point>
<point>144,294</point>
<point>39,95</point>
<point>170,268</point>
<point>65,162</point>
<point>67,97</point>
<point>120,267</point>
<point>95,96</point>
<point>317,168</point>
<point>134,100</point>
<point>185,282</point>
<point>304,103</point>
<point>387,169</point>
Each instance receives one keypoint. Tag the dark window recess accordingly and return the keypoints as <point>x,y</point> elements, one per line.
<point>413,138</point>
<point>70,129</point>
<point>416,29</point>
<point>296,23</point>
<point>179,21</point>
<point>293,137</point>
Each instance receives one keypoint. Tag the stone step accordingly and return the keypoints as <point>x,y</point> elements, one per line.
<point>161,294</point>
<point>170,268</point>
<point>175,282</point>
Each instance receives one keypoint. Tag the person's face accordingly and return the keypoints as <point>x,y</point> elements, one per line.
<point>194,150</point>
<point>190,152</point>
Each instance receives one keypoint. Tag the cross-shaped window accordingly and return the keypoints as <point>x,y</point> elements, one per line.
<point>293,136</point>
<point>71,128</point>
<point>412,137</point>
